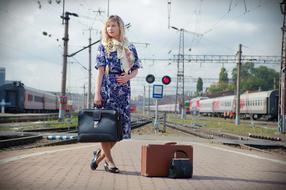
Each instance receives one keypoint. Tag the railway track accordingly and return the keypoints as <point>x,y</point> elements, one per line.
<point>13,118</point>
<point>38,137</point>
<point>250,142</point>
<point>261,123</point>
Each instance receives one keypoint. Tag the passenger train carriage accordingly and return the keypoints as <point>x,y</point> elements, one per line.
<point>195,105</point>
<point>255,105</point>
<point>20,99</point>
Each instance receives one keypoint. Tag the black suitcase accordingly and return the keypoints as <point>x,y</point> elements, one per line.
<point>99,125</point>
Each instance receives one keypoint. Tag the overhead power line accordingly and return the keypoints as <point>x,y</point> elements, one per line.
<point>228,59</point>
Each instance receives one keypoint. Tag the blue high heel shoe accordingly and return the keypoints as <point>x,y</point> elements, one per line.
<point>93,164</point>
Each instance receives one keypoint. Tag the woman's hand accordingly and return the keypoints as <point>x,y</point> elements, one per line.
<point>98,100</point>
<point>123,78</point>
<point>128,55</point>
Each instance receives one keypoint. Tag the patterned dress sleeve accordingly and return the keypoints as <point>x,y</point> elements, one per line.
<point>137,62</point>
<point>100,57</point>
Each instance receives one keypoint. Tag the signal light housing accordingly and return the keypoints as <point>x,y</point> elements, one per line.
<point>150,78</point>
<point>166,80</point>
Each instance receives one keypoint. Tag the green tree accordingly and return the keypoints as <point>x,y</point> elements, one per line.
<point>223,76</point>
<point>222,85</point>
<point>199,85</point>
<point>251,78</point>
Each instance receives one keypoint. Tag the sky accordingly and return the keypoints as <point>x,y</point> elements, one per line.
<point>36,59</point>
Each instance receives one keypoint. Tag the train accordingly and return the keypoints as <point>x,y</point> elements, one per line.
<point>132,108</point>
<point>255,105</point>
<point>252,105</point>
<point>19,98</point>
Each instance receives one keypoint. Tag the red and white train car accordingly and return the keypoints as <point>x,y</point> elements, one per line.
<point>254,105</point>
<point>195,104</point>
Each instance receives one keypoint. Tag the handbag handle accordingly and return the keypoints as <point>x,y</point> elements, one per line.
<point>170,143</point>
<point>95,116</point>
<point>181,151</point>
<point>97,107</point>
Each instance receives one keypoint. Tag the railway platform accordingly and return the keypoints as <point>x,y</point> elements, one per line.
<point>67,167</point>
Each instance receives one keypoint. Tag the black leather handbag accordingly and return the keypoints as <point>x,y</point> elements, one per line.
<point>180,167</point>
<point>99,125</point>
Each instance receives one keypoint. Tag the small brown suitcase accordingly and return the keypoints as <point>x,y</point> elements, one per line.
<point>155,158</point>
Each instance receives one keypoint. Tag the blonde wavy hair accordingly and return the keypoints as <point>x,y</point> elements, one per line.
<point>105,37</point>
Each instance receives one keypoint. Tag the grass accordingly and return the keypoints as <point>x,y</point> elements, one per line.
<point>69,122</point>
<point>227,126</point>
<point>50,123</point>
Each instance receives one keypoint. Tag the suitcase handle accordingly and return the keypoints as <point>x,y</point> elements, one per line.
<point>181,151</point>
<point>170,143</point>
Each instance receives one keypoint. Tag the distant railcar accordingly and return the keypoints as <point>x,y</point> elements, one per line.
<point>187,107</point>
<point>166,108</point>
<point>132,108</point>
<point>195,105</point>
<point>21,99</point>
<point>255,105</point>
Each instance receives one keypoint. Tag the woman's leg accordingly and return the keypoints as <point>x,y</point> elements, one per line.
<point>102,155</point>
<point>106,147</point>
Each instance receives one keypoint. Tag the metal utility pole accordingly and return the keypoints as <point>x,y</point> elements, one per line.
<point>282,86</point>
<point>89,101</point>
<point>169,13</point>
<point>237,107</point>
<point>144,96</point>
<point>84,97</point>
<point>63,11</point>
<point>149,99</point>
<point>180,75</point>
<point>63,98</point>
<point>107,8</point>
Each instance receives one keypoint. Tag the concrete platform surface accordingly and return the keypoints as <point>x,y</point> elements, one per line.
<point>67,167</point>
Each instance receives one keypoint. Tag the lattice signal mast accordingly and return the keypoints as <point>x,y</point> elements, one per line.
<point>180,70</point>
<point>180,95</point>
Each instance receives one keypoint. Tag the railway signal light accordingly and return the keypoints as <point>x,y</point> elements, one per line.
<point>150,78</point>
<point>166,80</point>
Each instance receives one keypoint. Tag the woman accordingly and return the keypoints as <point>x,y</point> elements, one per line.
<point>117,63</point>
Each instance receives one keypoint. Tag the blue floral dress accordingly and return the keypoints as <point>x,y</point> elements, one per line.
<point>116,96</point>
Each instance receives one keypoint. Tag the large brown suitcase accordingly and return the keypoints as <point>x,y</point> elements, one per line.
<point>155,158</point>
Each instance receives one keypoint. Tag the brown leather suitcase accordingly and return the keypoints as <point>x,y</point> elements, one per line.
<point>155,158</point>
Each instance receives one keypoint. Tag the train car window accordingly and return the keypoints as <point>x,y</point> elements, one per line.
<point>38,99</point>
<point>30,97</point>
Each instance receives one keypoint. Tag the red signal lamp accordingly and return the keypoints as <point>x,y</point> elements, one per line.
<point>166,80</point>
